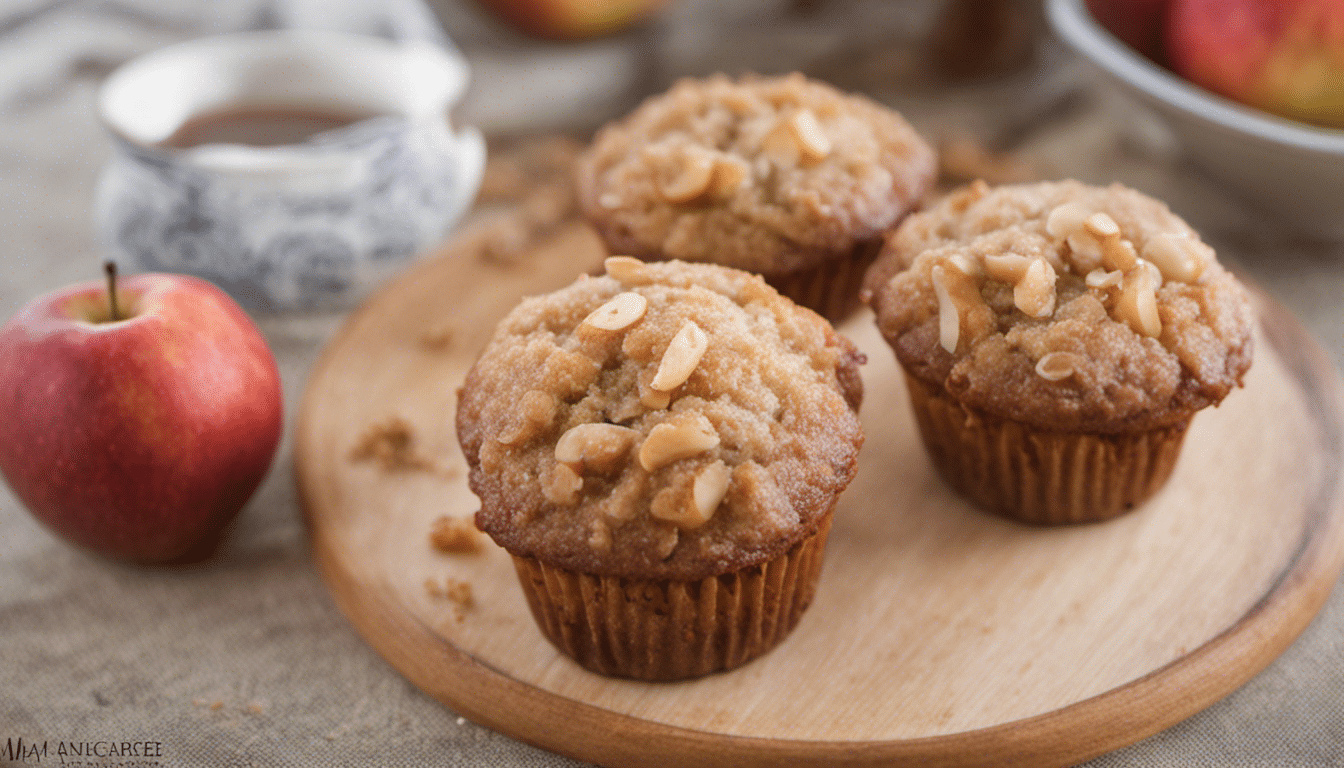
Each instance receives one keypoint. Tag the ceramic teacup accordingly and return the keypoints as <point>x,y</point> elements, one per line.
<point>292,216</point>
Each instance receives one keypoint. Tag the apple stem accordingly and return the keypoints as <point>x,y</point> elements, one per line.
<point>110,267</point>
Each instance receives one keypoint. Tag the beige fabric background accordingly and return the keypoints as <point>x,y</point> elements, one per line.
<point>244,660</point>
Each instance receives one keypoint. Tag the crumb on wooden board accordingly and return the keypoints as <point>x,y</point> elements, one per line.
<point>456,535</point>
<point>391,444</point>
<point>455,591</point>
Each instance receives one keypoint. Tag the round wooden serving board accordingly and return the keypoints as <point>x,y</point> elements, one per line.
<point>939,636</point>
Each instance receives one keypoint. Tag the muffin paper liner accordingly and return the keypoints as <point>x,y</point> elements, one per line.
<point>831,288</point>
<point>1037,476</point>
<point>668,629</point>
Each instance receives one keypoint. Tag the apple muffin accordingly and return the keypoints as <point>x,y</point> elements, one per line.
<point>661,449</point>
<point>1057,339</point>
<point>783,176</point>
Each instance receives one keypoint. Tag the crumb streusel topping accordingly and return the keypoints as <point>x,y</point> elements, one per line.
<point>665,420</point>
<point>770,175</point>
<point>1062,305</point>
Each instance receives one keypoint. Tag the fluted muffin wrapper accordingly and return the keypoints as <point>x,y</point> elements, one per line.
<point>665,629</point>
<point>831,288</point>
<point>1036,476</point>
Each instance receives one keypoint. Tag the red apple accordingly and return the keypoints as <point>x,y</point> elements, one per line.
<point>571,19</point>
<point>1282,56</point>
<point>1138,23</point>
<point>139,437</point>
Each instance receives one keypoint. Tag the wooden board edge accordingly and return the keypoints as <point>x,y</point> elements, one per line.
<point>1062,737</point>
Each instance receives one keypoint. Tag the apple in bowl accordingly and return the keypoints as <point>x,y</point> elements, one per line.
<point>1281,56</point>
<point>571,19</point>
<point>1140,24</point>
<point>137,426</point>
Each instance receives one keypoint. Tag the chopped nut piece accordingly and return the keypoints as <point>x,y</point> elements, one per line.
<point>676,439</point>
<point>621,312</point>
<point>967,196</point>
<point>1100,278</point>
<point>708,491</point>
<point>681,357</point>
<point>962,311</point>
<point>598,447</point>
<point>623,409</point>
<point>671,504</point>
<point>1007,268</point>
<point>1154,273</point>
<point>1118,254</point>
<point>813,142</point>
<point>562,485</point>
<point>949,320</point>
<point>454,534</point>
<point>626,269</point>
<point>1056,366</point>
<point>649,397</point>
<point>1176,256</point>
<point>690,508</point>
<point>691,178</point>
<point>781,146</point>
<point>653,399</point>
<point>1101,226</point>
<point>1085,250</point>
<point>1066,219</point>
<point>1034,294</point>
<point>965,265</point>
<point>1137,305</point>
<point>729,174</point>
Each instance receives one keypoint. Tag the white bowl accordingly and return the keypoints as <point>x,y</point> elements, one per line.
<point>1293,170</point>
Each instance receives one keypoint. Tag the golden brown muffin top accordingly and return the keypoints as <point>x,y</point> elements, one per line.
<point>1062,305</point>
<point>766,174</point>
<point>666,420</point>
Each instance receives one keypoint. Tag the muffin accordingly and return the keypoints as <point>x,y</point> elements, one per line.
<point>660,449</point>
<point>1057,339</point>
<point>782,176</point>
